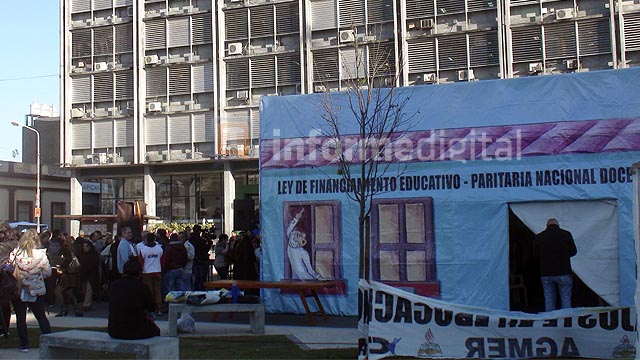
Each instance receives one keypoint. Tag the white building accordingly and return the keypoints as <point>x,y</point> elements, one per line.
<point>160,97</point>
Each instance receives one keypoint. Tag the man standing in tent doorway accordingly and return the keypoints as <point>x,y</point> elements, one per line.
<point>553,248</point>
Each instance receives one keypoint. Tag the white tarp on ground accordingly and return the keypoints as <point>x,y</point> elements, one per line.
<point>594,226</point>
<point>397,323</point>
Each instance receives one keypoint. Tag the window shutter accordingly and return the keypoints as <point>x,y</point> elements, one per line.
<point>103,41</point>
<point>178,31</point>
<point>80,135</point>
<point>560,40</point>
<point>118,3</point>
<point>203,78</point>
<point>203,127</point>
<point>287,18</point>
<point>156,130</point>
<point>261,21</point>
<point>263,70</point>
<point>475,5</point>
<point>422,55</point>
<point>81,89</point>
<point>156,81</point>
<point>349,63</point>
<point>483,48</point>
<point>179,129</point>
<point>379,10</point>
<point>420,8</point>
<point>594,35</point>
<point>236,24</point>
<point>632,31</point>
<point>179,80</point>
<point>124,85</point>
<point>155,36</point>
<point>289,68</point>
<point>453,52</point>
<point>237,74</point>
<point>236,126</point>
<point>325,65</point>
<point>323,14</point>
<point>450,6</point>
<point>81,43</point>
<point>124,132</point>
<point>351,13</point>
<point>382,59</point>
<point>103,87</point>
<point>255,124</point>
<point>124,38</point>
<point>103,134</point>
<point>527,43</point>
<point>201,29</point>
<point>80,6</point>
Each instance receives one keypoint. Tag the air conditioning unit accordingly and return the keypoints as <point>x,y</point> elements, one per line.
<point>100,66</point>
<point>319,88</point>
<point>563,14</point>
<point>155,106</point>
<point>429,78</point>
<point>235,150</point>
<point>426,23</point>
<point>130,11</point>
<point>466,75</point>
<point>77,113</point>
<point>235,48</point>
<point>111,66</point>
<point>99,158</point>
<point>81,65</point>
<point>535,67</point>
<point>151,59</point>
<point>571,64</point>
<point>347,36</point>
<point>242,95</point>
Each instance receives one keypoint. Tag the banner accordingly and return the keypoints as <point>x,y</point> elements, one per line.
<point>396,323</point>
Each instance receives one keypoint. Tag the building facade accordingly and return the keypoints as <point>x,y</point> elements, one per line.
<point>160,98</point>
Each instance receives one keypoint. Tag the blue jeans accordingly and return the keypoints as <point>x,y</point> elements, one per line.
<point>174,281</point>
<point>564,284</point>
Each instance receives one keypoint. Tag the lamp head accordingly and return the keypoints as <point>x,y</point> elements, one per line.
<point>15,123</point>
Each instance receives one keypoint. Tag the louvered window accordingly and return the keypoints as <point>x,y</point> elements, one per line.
<point>263,71</point>
<point>323,14</point>
<point>178,31</point>
<point>118,3</point>
<point>103,87</point>
<point>203,127</point>
<point>420,8</point>
<point>103,41</point>
<point>101,4</point>
<point>353,64</point>
<point>594,36</point>
<point>452,52</point>
<point>156,81</point>
<point>124,38</point>
<point>103,134</point>
<point>156,130</point>
<point>632,31</point>
<point>325,65</point>
<point>155,34</point>
<point>236,24</point>
<point>124,85</point>
<point>449,6</point>
<point>380,10</point>
<point>287,18</point>
<point>81,43</point>
<point>124,132</point>
<point>422,56</point>
<point>201,29</point>
<point>202,78</point>
<point>80,6</point>
<point>81,89</point>
<point>261,21</point>
<point>179,129</point>
<point>351,13</point>
<point>559,40</point>
<point>237,74</point>
<point>80,135</point>
<point>255,123</point>
<point>475,5</point>
<point>483,48</point>
<point>527,43</point>
<point>382,59</point>
<point>179,80</point>
<point>289,68</point>
<point>236,125</point>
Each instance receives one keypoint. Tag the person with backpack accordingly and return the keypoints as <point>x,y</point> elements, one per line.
<point>8,242</point>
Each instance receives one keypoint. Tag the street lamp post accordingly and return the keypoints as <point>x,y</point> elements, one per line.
<point>37,210</point>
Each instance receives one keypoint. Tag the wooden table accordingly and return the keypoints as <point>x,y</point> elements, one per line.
<point>303,288</point>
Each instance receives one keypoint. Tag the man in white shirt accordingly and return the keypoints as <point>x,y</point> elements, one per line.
<point>150,253</point>
<point>126,249</point>
<point>191,254</point>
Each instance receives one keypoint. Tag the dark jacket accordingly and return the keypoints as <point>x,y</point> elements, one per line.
<point>202,247</point>
<point>553,248</point>
<point>129,303</point>
<point>174,256</point>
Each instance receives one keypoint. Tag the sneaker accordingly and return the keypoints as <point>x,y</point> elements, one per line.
<point>24,349</point>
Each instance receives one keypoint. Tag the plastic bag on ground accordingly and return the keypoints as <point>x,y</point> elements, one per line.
<point>186,323</point>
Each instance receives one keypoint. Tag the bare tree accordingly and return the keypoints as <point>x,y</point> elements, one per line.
<point>380,114</point>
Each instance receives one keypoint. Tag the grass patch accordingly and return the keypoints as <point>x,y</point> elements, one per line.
<point>218,347</point>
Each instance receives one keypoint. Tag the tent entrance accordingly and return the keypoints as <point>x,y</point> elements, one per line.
<point>595,267</point>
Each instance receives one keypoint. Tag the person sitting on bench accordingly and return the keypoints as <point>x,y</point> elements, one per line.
<point>130,306</point>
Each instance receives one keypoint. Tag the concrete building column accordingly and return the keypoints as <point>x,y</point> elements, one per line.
<point>150,191</point>
<point>229,184</point>
<point>75,201</point>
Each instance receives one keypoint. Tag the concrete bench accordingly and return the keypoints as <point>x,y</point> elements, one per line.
<point>68,344</point>
<point>256,314</point>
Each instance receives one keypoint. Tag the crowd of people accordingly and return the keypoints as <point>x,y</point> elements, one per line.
<point>59,270</point>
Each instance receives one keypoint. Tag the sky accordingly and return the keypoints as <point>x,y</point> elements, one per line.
<point>29,65</point>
